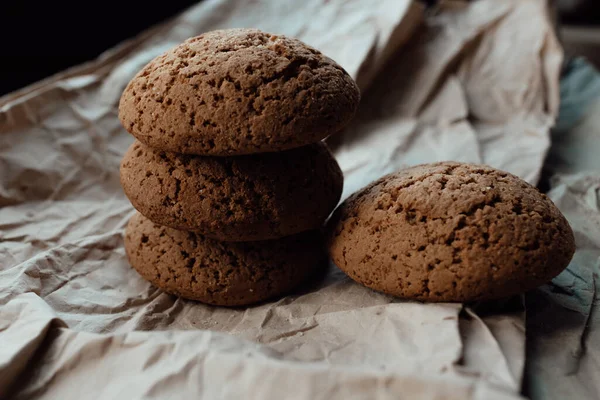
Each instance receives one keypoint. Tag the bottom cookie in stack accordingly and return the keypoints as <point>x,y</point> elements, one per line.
<point>192,266</point>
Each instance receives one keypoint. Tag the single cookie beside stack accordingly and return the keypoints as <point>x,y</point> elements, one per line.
<point>450,232</point>
<point>228,172</point>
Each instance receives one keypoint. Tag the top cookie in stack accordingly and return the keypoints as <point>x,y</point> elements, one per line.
<point>229,127</point>
<point>239,91</point>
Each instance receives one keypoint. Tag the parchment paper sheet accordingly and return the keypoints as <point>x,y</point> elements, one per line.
<point>466,82</point>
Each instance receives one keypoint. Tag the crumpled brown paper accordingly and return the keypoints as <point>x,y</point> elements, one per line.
<point>564,319</point>
<point>76,320</point>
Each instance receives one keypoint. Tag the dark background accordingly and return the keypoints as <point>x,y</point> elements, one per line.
<point>40,38</point>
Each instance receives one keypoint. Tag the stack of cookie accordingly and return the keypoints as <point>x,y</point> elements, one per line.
<point>228,172</point>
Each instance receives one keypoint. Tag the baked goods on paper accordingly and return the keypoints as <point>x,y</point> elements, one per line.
<point>238,91</point>
<point>252,197</point>
<point>450,232</point>
<point>254,168</point>
<point>221,273</point>
<point>69,291</point>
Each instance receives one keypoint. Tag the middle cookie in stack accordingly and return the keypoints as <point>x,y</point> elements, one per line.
<point>229,127</point>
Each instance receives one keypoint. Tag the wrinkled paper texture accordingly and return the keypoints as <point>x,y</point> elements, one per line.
<point>563,324</point>
<point>76,320</point>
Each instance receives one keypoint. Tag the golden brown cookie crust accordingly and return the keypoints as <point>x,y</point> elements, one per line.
<point>256,197</point>
<point>238,91</point>
<point>450,232</point>
<point>221,273</point>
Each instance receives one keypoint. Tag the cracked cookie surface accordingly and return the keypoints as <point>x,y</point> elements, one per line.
<point>221,273</point>
<point>254,197</point>
<point>450,232</point>
<point>238,91</point>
